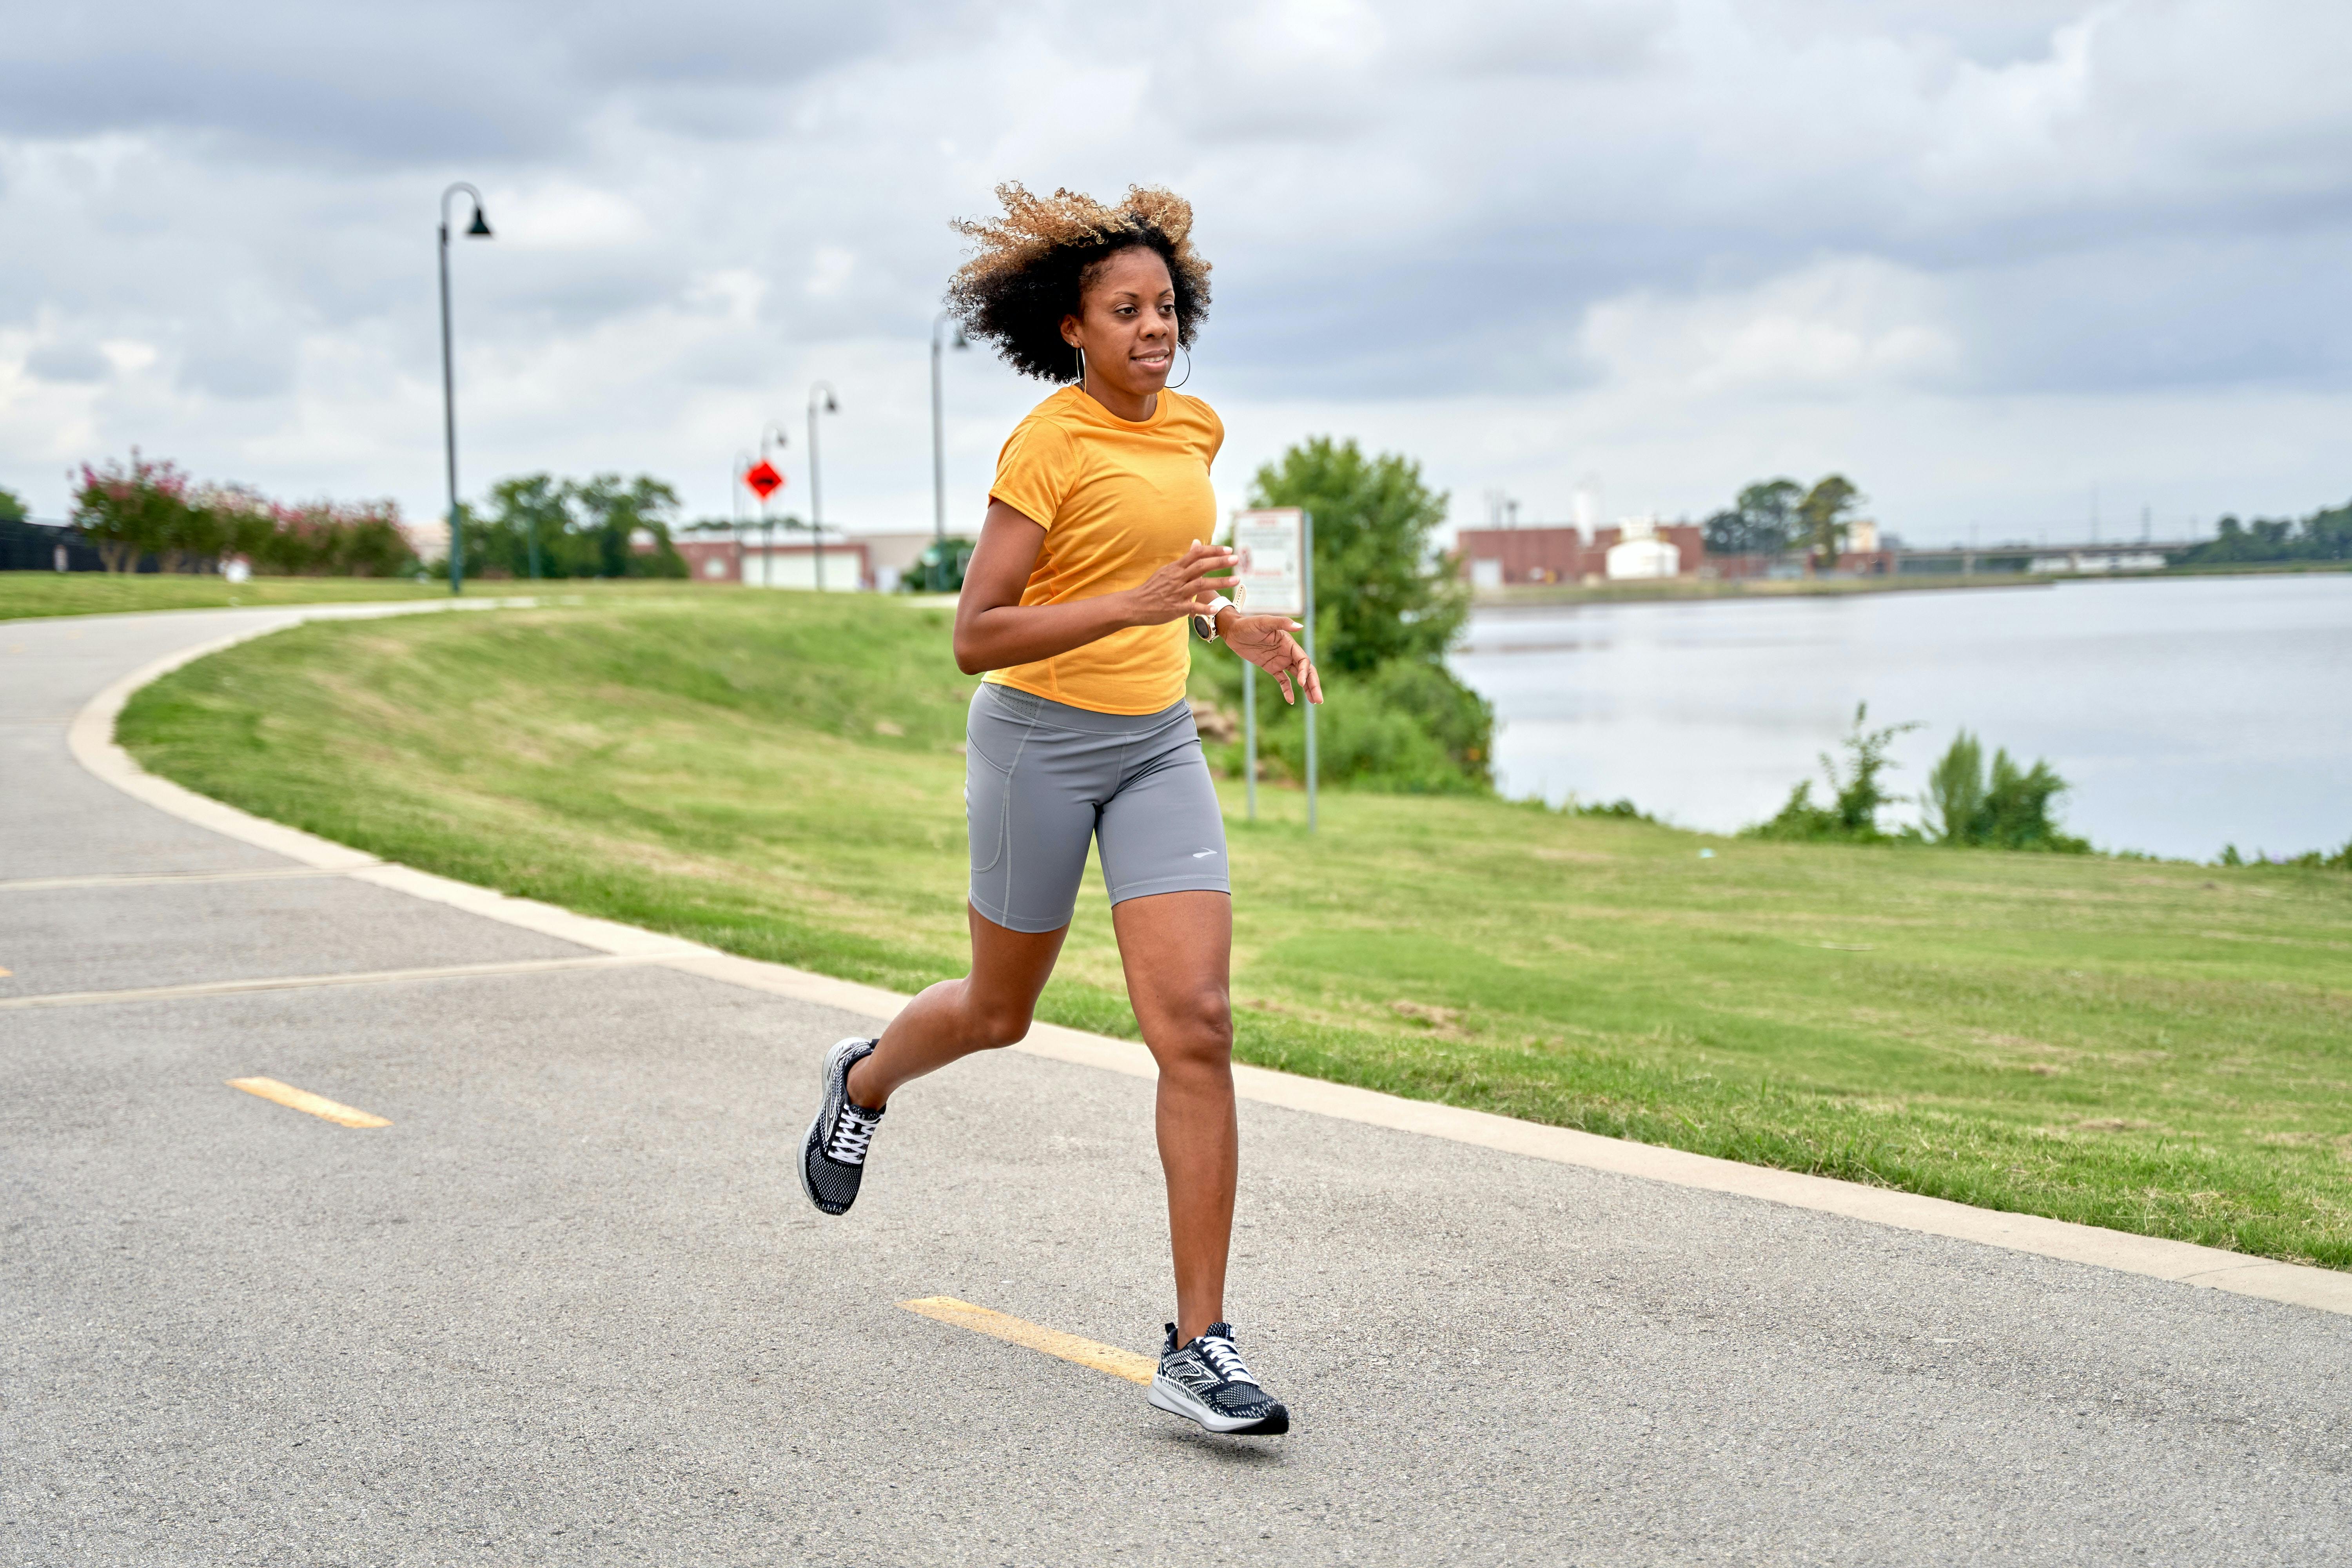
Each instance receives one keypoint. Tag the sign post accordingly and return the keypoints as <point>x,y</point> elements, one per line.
<point>1307,562</point>
<point>1277,578</point>
<point>765,481</point>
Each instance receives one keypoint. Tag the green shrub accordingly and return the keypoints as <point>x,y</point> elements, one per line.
<point>939,568</point>
<point>1852,816</point>
<point>2008,809</point>
<point>1402,728</point>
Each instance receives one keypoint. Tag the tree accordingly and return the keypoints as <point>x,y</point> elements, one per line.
<point>132,511</point>
<point>1381,593</point>
<point>1762,521</point>
<point>1387,608</point>
<point>2324,535</point>
<point>523,509</point>
<point>12,506</point>
<point>1823,518</point>
<point>582,529</point>
<point>614,510</point>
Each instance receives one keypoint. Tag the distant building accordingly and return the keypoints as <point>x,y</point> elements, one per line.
<point>786,558</point>
<point>1563,553</point>
<point>428,537</point>
<point>1639,553</point>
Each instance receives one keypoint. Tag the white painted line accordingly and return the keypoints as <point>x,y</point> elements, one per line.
<point>313,982</point>
<point>2325,1289</point>
<point>164,878</point>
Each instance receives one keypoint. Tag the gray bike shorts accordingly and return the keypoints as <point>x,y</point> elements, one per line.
<point>1040,778</point>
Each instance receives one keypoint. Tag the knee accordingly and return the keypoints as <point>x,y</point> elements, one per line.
<point>1202,1031</point>
<point>992,1024</point>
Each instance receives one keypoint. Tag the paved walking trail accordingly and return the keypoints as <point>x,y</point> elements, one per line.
<point>570,1307</point>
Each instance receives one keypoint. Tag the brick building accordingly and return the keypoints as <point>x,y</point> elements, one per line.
<point>1499,557</point>
<point>1495,557</point>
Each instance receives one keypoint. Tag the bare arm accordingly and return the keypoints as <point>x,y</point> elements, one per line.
<point>993,631</point>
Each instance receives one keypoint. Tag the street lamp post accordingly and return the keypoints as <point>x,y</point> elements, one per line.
<point>938,440</point>
<point>817,483</point>
<point>478,230</point>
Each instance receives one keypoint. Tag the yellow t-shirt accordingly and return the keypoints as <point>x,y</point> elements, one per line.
<point>1119,500</point>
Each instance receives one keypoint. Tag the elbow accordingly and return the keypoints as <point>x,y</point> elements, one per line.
<point>968,659</point>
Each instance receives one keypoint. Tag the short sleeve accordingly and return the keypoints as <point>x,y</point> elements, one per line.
<point>1037,470</point>
<point>1216,435</point>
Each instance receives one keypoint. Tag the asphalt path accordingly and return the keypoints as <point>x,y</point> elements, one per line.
<point>572,1307</point>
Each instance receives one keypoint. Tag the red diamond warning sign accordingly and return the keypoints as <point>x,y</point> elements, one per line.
<point>762,478</point>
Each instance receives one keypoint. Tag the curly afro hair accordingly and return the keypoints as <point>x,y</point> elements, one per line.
<point>1029,267</point>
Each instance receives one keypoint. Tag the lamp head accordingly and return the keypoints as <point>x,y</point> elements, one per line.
<point>961,342</point>
<point>480,229</point>
<point>830,406</point>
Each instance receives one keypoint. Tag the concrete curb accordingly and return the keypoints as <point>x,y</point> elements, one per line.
<point>91,740</point>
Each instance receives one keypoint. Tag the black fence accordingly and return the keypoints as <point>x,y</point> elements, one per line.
<point>29,546</point>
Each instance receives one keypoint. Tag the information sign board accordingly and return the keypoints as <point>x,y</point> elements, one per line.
<point>1272,544</point>
<point>763,477</point>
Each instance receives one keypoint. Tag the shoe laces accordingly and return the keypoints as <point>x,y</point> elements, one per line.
<point>853,1129</point>
<point>1224,1360</point>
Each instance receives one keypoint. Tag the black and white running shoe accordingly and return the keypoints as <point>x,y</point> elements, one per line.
<point>1206,1381</point>
<point>833,1156</point>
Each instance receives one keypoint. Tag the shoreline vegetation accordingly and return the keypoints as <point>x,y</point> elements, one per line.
<point>27,594</point>
<point>1706,589</point>
<point>2152,1046</point>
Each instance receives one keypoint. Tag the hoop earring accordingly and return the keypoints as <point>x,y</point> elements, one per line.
<point>1188,367</point>
<point>1081,367</point>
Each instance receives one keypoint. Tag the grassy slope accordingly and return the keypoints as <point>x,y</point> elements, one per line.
<point>26,594</point>
<point>2156,1048</point>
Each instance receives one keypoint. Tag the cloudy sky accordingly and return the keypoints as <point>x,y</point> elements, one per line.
<point>1988,258</point>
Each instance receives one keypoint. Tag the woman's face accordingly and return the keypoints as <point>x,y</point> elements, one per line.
<point>1127,322</point>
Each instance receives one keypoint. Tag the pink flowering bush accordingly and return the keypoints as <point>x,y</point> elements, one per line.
<point>140,509</point>
<point>132,510</point>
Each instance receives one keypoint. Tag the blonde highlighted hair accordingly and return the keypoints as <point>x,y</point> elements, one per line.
<point>1029,267</point>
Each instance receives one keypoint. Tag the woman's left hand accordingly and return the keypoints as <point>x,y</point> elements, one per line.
<point>1266,641</point>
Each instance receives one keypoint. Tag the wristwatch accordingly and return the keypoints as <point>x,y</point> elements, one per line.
<point>1204,625</point>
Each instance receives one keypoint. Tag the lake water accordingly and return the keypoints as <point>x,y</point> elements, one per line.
<point>2186,713</point>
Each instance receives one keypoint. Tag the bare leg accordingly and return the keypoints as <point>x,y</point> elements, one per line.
<point>988,1007</point>
<point>1178,951</point>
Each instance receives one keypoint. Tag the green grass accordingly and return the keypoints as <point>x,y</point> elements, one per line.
<point>2155,1047</point>
<point>26,594</point>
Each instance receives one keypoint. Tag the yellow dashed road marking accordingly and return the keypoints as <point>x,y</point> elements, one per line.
<point>1053,1341</point>
<point>294,1099</point>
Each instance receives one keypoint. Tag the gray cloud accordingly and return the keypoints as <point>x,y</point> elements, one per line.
<point>1755,223</point>
<point>68,363</point>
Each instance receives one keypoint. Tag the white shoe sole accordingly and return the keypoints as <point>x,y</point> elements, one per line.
<point>1178,1400</point>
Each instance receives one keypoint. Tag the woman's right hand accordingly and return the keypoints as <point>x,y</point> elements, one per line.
<point>1182,587</point>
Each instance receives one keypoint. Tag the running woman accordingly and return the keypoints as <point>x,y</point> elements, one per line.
<point>1092,559</point>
